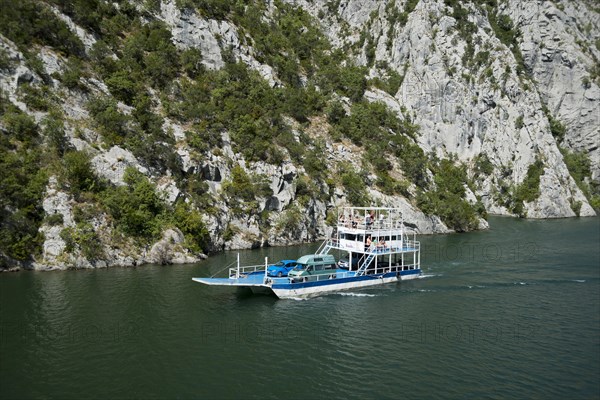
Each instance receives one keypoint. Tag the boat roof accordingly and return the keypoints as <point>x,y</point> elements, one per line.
<point>370,219</point>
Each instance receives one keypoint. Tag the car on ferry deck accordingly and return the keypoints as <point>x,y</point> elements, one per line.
<point>282,268</point>
<point>344,264</point>
<point>309,268</point>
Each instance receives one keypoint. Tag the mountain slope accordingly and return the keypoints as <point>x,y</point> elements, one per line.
<point>156,131</point>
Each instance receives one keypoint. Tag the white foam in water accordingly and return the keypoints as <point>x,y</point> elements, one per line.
<point>358,294</point>
<point>426,276</point>
<point>579,280</point>
<point>297,298</point>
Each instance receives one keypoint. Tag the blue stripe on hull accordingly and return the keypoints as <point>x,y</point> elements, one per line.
<point>327,282</point>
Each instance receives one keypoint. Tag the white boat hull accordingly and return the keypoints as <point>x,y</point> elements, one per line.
<point>334,287</point>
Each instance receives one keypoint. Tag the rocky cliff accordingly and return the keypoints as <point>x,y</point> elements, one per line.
<point>147,159</point>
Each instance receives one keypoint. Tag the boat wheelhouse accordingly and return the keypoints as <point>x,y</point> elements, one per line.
<point>375,241</point>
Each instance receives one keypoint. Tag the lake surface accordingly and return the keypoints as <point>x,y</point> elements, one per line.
<point>513,312</point>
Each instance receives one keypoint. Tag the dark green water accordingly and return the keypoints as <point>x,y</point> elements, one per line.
<point>513,312</point>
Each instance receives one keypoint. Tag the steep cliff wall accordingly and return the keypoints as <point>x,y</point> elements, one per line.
<point>471,97</point>
<point>559,46</point>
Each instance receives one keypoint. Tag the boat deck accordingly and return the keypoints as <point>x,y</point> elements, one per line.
<point>252,279</point>
<point>257,278</point>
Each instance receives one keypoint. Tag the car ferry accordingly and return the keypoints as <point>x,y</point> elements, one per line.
<point>374,241</point>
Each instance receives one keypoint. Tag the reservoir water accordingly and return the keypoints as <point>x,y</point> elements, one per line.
<point>513,312</point>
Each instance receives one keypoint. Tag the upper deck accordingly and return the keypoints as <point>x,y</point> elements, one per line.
<point>367,219</point>
<point>373,230</point>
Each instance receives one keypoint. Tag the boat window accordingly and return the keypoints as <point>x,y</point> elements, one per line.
<point>360,238</point>
<point>318,259</point>
<point>350,236</point>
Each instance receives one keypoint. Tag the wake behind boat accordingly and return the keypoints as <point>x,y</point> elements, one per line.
<point>376,249</point>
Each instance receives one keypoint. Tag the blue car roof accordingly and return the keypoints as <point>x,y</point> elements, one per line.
<point>283,261</point>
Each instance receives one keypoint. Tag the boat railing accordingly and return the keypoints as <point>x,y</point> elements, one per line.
<point>377,270</point>
<point>407,247</point>
<point>240,272</point>
<point>370,226</point>
<point>311,278</point>
<point>384,269</point>
<point>326,245</point>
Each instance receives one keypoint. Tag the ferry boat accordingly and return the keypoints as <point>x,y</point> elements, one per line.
<point>376,248</point>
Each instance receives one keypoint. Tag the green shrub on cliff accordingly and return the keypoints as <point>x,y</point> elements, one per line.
<point>78,174</point>
<point>28,22</point>
<point>22,185</point>
<point>137,208</point>
<point>354,185</point>
<point>243,190</point>
<point>526,191</point>
<point>529,189</point>
<point>446,199</point>
<point>190,222</point>
<point>579,166</point>
<point>85,238</point>
<point>112,124</point>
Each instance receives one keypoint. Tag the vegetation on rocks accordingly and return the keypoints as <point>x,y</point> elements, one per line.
<point>243,190</point>
<point>22,184</point>
<point>579,166</point>
<point>140,87</point>
<point>528,190</point>
<point>446,199</point>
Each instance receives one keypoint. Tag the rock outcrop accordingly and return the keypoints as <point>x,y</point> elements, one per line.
<point>210,36</point>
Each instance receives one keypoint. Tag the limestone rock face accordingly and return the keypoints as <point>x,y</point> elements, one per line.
<point>112,164</point>
<point>413,218</point>
<point>169,249</point>
<point>210,36</point>
<point>477,116</point>
<point>17,74</point>
<point>56,202</point>
<point>552,51</point>
<point>86,38</point>
<point>192,31</point>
